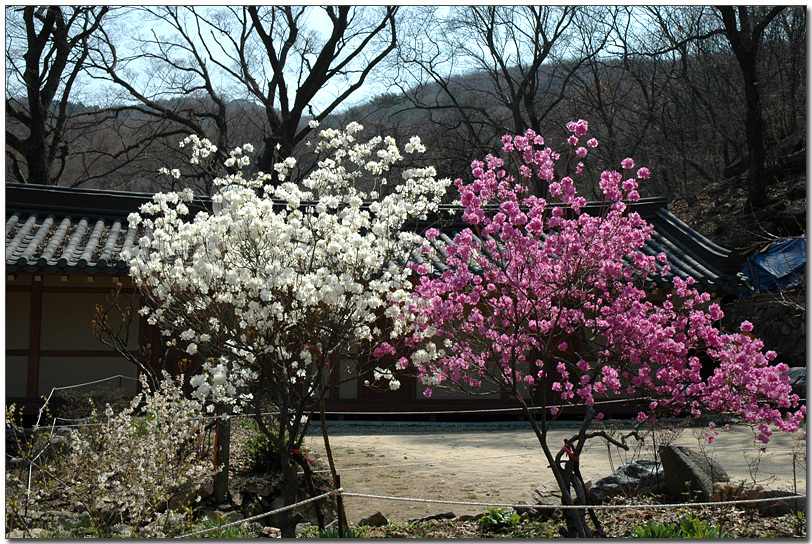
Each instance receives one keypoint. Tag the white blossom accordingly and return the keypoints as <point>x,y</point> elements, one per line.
<point>262,276</point>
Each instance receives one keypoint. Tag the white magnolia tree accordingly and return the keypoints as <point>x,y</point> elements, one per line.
<point>278,282</point>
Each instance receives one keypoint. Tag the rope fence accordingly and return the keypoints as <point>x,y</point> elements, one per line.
<point>577,506</point>
<point>340,491</point>
<point>265,514</point>
<point>331,412</point>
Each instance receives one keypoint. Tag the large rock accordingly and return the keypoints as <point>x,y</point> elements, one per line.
<point>690,475</point>
<point>797,379</point>
<point>640,477</point>
<point>375,520</point>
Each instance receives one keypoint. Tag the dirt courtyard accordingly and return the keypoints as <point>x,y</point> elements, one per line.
<point>501,463</point>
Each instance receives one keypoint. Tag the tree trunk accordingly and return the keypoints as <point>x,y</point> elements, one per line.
<point>288,520</point>
<point>576,519</point>
<point>221,457</point>
<point>756,183</point>
<point>744,38</point>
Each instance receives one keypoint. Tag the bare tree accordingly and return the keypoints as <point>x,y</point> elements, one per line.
<point>492,70</point>
<point>782,69</point>
<point>46,51</point>
<point>744,27</point>
<point>288,64</point>
<point>679,62</point>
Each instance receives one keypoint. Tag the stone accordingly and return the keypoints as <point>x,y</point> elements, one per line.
<point>797,379</point>
<point>375,520</point>
<point>206,490</point>
<point>236,498</point>
<point>708,464</point>
<point>263,489</point>
<point>545,493</point>
<point>121,530</point>
<point>779,507</point>
<point>524,509</point>
<point>271,532</point>
<point>690,475</point>
<point>640,477</point>
<point>254,526</point>
<point>546,499</point>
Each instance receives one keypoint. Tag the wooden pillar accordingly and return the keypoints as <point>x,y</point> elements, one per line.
<point>34,335</point>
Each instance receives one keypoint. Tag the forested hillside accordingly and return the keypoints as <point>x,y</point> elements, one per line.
<point>697,94</point>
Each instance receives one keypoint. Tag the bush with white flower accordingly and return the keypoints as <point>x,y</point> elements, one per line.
<point>137,467</point>
<point>280,280</point>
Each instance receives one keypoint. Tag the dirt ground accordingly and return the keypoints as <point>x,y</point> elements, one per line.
<point>501,463</point>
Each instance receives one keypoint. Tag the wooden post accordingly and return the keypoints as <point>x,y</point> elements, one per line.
<point>34,337</point>
<point>222,447</point>
<point>342,519</point>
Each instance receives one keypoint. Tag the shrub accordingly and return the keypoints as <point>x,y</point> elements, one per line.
<point>332,532</point>
<point>655,530</point>
<point>125,467</point>
<point>263,455</point>
<point>689,527</point>
<point>496,519</point>
<point>227,533</point>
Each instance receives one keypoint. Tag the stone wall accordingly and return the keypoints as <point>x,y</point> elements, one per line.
<point>779,320</point>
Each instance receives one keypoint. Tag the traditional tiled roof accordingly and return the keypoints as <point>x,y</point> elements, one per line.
<point>64,230</point>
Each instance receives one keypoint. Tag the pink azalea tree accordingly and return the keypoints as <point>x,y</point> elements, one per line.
<point>549,302</point>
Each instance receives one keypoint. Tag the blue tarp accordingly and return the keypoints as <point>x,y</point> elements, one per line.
<point>780,267</point>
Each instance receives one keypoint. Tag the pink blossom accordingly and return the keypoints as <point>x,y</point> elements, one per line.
<point>572,140</point>
<point>627,163</point>
<point>643,173</point>
<point>715,312</point>
<point>581,152</point>
<point>384,349</point>
<point>556,277</point>
<point>592,142</point>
